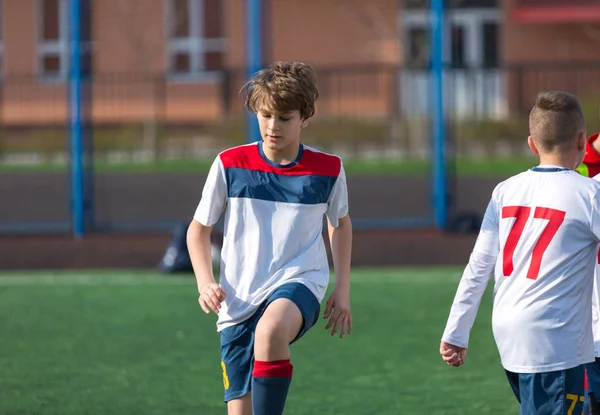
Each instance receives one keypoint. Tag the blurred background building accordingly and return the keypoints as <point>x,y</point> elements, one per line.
<point>161,97</point>
<point>177,58</point>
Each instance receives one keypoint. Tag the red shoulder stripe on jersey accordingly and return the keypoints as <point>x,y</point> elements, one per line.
<point>311,163</point>
<point>241,157</point>
<point>322,164</point>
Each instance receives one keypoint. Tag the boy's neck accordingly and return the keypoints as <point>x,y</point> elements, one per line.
<point>286,155</point>
<point>556,160</point>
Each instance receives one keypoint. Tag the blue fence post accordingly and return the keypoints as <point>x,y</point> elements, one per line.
<point>439,127</point>
<point>86,69</point>
<point>76,127</point>
<point>254,58</point>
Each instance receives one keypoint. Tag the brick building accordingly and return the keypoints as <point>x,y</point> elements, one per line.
<point>183,59</point>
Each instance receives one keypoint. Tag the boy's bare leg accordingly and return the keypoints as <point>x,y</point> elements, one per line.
<point>272,374</point>
<point>279,325</point>
<point>241,406</point>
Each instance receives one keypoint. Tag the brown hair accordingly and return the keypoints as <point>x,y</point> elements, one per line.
<point>283,86</point>
<point>556,120</point>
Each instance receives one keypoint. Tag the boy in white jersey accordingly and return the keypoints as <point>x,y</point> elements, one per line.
<point>540,235</point>
<point>274,268</point>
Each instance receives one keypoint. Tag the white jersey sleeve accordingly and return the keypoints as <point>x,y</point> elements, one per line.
<point>488,240</point>
<point>474,280</point>
<point>337,205</point>
<point>214,195</point>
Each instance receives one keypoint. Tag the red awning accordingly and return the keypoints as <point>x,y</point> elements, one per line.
<point>563,13</point>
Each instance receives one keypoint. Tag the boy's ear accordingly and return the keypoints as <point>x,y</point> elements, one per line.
<point>305,122</point>
<point>582,141</point>
<point>532,146</point>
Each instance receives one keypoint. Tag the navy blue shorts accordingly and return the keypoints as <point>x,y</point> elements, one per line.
<point>237,342</point>
<point>550,393</point>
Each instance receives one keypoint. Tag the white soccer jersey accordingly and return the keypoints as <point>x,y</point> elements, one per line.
<point>273,223</point>
<point>540,232</point>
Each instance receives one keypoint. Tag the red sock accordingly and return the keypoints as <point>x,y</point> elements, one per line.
<point>274,369</point>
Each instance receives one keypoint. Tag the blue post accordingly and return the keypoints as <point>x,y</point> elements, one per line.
<point>254,58</point>
<point>439,128</point>
<point>76,128</point>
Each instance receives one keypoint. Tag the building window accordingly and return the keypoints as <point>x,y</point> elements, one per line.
<point>53,51</point>
<point>490,45</point>
<point>457,47</point>
<point>418,52</point>
<point>195,38</point>
<point>471,38</point>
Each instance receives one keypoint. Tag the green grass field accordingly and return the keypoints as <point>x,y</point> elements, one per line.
<point>136,342</point>
<point>502,167</point>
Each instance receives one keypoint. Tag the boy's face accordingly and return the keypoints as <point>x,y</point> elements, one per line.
<point>280,129</point>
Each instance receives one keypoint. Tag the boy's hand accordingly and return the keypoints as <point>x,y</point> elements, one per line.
<point>453,355</point>
<point>339,303</point>
<point>211,297</point>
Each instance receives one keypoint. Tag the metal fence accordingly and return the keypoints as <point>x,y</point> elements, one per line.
<point>151,139</point>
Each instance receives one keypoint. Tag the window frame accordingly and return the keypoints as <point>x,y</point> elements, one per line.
<point>58,47</point>
<point>195,45</point>
<point>472,20</point>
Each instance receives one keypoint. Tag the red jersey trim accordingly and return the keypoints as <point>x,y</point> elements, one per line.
<point>311,162</point>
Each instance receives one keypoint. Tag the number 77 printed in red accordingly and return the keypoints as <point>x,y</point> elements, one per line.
<point>521,214</point>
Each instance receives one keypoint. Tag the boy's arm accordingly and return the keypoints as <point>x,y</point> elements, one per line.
<point>467,299</point>
<point>340,239</point>
<point>339,226</point>
<point>471,288</point>
<point>199,247</point>
<point>210,208</point>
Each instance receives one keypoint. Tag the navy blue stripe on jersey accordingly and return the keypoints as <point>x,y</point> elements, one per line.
<point>541,169</point>
<point>252,184</point>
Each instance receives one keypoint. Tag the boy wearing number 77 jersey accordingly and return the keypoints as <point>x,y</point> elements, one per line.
<point>539,236</point>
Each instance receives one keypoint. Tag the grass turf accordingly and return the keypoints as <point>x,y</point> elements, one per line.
<point>136,342</point>
<point>501,167</point>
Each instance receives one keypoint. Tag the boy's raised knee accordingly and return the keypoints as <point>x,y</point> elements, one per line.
<point>271,340</point>
<point>276,329</point>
